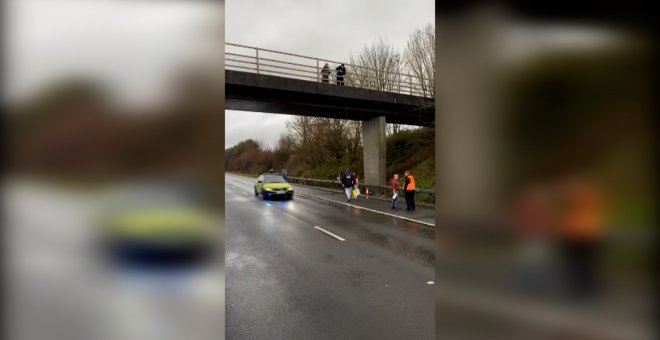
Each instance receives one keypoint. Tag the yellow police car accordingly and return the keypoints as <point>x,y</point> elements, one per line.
<point>271,185</point>
<point>157,236</point>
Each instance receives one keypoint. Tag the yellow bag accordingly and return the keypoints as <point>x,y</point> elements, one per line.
<point>355,193</point>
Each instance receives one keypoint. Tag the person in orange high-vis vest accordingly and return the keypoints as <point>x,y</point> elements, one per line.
<point>409,191</point>
<point>580,231</point>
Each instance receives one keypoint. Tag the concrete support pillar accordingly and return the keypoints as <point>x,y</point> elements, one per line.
<point>373,141</point>
<point>469,156</point>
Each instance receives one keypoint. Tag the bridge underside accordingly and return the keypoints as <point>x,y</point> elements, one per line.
<point>264,93</point>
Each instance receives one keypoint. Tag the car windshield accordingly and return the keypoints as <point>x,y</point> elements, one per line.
<point>274,179</point>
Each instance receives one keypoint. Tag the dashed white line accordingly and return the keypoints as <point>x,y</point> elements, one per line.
<point>329,233</point>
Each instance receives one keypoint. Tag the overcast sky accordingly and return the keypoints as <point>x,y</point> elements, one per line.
<point>135,46</point>
<point>324,29</point>
<point>131,46</point>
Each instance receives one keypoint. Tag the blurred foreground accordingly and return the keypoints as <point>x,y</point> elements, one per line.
<point>545,173</point>
<point>113,206</point>
<point>63,285</point>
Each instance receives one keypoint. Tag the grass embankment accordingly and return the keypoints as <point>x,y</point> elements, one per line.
<point>412,150</point>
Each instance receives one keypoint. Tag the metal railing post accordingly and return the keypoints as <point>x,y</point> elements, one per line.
<point>257,60</point>
<point>371,79</point>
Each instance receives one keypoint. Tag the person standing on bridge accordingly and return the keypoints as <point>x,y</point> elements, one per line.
<point>409,190</point>
<point>325,74</point>
<point>347,182</point>
<point>341,72</point>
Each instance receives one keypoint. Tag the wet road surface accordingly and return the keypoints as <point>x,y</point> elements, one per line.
<point>476,286</point>
<point>423,214</point>
<point>287,280</point>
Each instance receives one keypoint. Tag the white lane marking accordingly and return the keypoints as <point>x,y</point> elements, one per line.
<point>429,282</point>
<point>372,210</point>
<point>329,233</point>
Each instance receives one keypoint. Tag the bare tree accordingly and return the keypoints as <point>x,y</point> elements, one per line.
<point>419,58</point>
<point>300,129</point>
<point>377,66</point>
<point>391,129</point>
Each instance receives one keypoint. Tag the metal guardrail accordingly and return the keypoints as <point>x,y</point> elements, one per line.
<point>384,191</point>
<point>264,61</point>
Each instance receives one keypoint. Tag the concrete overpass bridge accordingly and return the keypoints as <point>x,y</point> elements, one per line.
<point>263,80</point>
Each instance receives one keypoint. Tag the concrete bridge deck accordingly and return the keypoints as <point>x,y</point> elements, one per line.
<point>246,91</point>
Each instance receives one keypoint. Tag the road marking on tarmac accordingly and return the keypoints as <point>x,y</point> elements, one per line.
<point>372,210</point>
<point>329,233</point>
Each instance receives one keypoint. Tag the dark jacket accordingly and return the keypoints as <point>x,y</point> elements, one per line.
<point>347,180</point>
<point>341,71</point>
<point>405,184</point>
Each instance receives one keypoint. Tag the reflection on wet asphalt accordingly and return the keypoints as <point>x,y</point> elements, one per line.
<point>286,279</point>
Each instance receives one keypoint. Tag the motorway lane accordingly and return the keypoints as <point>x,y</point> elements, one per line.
<point>287,280</point>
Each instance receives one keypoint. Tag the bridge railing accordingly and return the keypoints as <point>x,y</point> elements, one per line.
<point>289,65</point>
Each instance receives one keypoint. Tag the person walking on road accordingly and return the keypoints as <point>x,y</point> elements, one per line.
<point>409,190</point>
<point>395,192</point>
<point>285,175</point>
<point>341,72</point>
<point>347,182</point>
<point>325,74</point>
